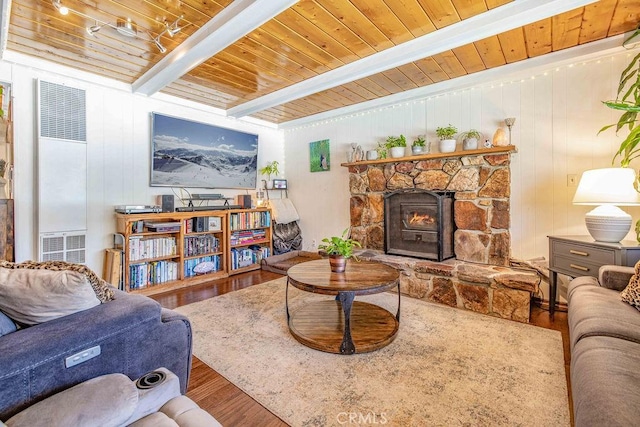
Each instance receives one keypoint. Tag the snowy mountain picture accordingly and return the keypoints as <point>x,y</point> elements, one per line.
<point>192,154</point>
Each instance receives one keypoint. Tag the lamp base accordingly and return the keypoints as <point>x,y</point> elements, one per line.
<point>608,223</point>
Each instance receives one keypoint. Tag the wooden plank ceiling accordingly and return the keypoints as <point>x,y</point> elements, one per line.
<point>306,40</point>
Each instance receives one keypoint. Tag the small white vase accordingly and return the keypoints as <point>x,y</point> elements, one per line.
<point>417,149</point>
<point>447,145</point>
<point>372,155</point>
<point>397,152</point>
<point>470,144</point>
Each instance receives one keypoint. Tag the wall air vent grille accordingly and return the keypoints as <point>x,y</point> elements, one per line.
<point>62,112</point>
<point>68,247</point>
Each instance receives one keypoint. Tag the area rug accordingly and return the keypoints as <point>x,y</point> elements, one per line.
<point>446,366</point>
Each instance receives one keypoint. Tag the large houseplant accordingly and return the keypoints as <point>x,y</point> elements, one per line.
<point>628,102</point>
<point>339,249</point>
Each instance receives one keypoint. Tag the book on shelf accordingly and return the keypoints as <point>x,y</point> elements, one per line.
<point>144,248</point>
<point>245,257</point>
<point>152,273</point>
<point>248,220</point>
<point>201,245</point>
<point>191,264</point>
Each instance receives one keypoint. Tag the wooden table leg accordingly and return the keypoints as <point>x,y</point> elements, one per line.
<point>553,291</point>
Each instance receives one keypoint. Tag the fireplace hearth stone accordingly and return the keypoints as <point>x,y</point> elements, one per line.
<point>488,289</point>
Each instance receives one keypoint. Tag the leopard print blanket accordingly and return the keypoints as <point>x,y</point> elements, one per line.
<point>631,294</point>
<point>104,292</point>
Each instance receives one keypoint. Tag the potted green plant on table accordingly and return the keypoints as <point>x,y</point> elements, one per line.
<point>396,145</point>
<point>470,139</point>
<point>270,169</point>
<point>418,145</point>
<point>447,138</point>
<point>339,249</point>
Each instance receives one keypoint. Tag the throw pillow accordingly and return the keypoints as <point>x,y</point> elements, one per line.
<point>6,325</point>
<point>103,291</point>
<point>33,293</point>
<point>631,294</point>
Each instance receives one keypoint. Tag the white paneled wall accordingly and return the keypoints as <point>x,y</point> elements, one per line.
<point>558,114</point>
<point>118,149</point>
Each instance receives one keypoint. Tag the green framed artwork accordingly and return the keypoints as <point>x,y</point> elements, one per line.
<point>319,156</point>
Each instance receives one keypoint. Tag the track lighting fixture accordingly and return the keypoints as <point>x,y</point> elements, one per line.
<point>161,48</point>
<point>62,9</point>
<point>124,26</point>
<point>92,30</point>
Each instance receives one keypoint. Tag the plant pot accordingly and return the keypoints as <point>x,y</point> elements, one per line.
<point>397,152</point>
<point>470,144</point>
<point>447,145</point>
<point>416,149</point>
<point>269,185</point>
<point>372,155</point>
<point>338,263</point>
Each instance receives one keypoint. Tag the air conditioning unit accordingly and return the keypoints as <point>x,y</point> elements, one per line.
<point>66,246</point>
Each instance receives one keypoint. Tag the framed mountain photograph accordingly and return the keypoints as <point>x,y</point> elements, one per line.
<point>192,154</point>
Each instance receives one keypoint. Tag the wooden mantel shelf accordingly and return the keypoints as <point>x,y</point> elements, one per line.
<point>492,150</point>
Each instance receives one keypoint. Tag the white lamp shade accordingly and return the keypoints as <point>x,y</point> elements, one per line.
<point>607,186</point>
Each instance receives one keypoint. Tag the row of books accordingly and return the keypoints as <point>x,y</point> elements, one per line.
<point>152,273</point>
<point>247,236</point>
<point>244,257</point>
<point>201,245</point>
<point>202,265</point>
<point>140,248</point>
<point>246,220</point>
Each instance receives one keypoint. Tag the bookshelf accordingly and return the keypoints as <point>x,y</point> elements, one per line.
<point>165,251</point>
<point>249,239</point>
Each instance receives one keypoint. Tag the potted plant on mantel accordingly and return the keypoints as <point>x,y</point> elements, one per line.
<point>447,138</point>
<point>470,139</point>
<point>270,169</point>
<point>396,145</point>
<point>339,249</point>
<point>418,145</point>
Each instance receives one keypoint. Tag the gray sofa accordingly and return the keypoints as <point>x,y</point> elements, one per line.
<point>605,350</point>
<point>134,334</point>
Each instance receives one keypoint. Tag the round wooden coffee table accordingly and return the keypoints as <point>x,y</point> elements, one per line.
<point>343,326</point>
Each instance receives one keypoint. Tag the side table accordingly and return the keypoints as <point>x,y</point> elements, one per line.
<point>582,256</point>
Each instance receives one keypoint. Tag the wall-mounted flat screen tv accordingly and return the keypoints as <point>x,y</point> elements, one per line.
<point>192,154</point>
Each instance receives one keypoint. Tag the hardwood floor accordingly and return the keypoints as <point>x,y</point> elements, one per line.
<point>230,405</point>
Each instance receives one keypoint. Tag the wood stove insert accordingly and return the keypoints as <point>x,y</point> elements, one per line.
<point>419,223</point>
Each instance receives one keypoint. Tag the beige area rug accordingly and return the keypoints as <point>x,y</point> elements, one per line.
<point>446,367</point>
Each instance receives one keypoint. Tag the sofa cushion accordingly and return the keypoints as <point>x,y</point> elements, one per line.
<point>594,310</point>
<point>107,400</point>
<point>6,325</point>
<point>605,382</point>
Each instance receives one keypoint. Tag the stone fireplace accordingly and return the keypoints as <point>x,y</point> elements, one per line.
<point>419,223</point>
<point>477,182</point>
<point>480,184</point>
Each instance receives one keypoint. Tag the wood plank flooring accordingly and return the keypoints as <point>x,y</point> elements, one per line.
<point>230,405</point>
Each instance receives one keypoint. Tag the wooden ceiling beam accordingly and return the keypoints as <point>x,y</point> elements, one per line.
<point>478,27</point>
<point>235,21</point>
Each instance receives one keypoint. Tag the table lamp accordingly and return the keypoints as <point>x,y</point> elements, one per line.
<point>607,189</point>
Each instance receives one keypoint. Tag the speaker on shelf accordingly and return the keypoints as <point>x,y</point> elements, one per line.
<point>166,202</point>
<point>244,200</point>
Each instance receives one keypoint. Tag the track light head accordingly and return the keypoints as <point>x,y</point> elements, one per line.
<point>62,9</point>
<point>161,48</point>
<point>92,30</point>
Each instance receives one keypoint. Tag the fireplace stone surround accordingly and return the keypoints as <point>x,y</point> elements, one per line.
<point>479,278</point>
